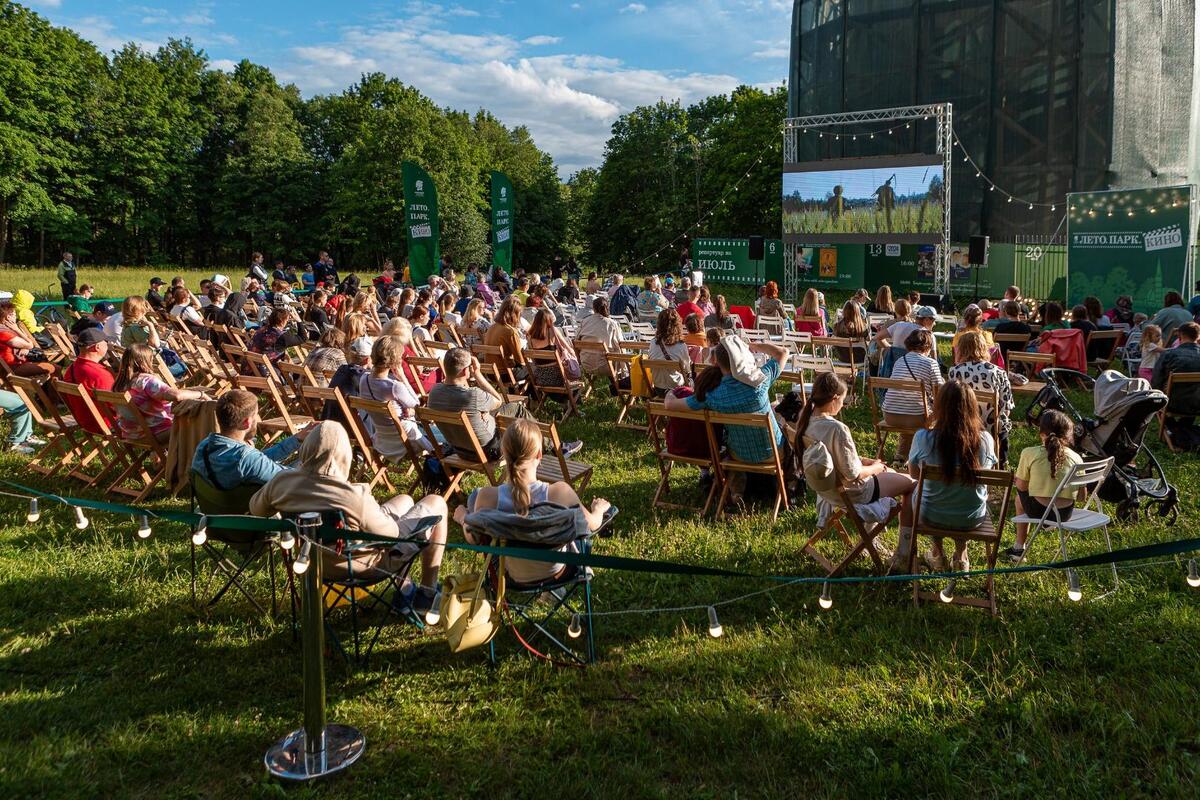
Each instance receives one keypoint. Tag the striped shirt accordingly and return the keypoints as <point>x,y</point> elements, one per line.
<point>913,367</point>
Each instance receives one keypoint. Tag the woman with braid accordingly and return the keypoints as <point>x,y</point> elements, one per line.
<point>1038,473</point>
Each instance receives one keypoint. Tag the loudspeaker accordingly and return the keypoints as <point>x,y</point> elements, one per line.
<point>978,254</point>
<point>758,247</point>
<point>942,303</point>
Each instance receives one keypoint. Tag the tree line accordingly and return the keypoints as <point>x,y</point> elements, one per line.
<point>136,157</point>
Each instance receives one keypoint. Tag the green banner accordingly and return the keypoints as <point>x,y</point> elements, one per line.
<point>502,221</point>
<point>728,261</point>
<point>420,221</point>
<point>1128,242</point>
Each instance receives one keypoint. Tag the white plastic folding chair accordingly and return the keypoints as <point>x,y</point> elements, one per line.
<point>1087,516</point>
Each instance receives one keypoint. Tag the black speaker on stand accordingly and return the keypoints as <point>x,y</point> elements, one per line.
<point>977,257</point>
<point>757,252</point>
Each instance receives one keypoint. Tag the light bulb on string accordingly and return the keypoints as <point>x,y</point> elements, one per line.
<point>574,630</point>
<point>908,124</point>
<point>1052,207</point>
<point>946,595</point>
<point>300,565</point>
<point>287,540</point>
<point>1074,592</point>
<point>81,521</point>
<point>872,136</point>
<point>433,616</point>
<point>977,174</point>
<point>826,599</point>
<point>1193,576</point>
<point>34,514</point>
<point>200,535</point>
<point>143,530</point>
<point>992,188</point>
<point>1031,206</point>
<point>714,625</point>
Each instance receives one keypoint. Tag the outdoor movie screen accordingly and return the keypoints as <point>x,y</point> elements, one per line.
<point>894,199</point>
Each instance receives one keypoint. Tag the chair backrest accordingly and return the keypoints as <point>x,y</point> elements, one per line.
<point>269,398</point>
<point>1179,378</point>
<point>381,412</point>
<point>1011,339</point>
<point>451,420</point>
<point>60,337</point>
<point>425,364</point>
<point>798,341</point>
<point>754,334</point>
<point>761,421</point>
<point>1000,479</point>
<point>876,385</point>
<point>124,408</point>
<point>658,413</point>
<point>1035,360</point>
<point>1087,475</point>
<point>1105,352</point>
<point>33,395</point>
<point>658,366</point>
<point>547,359</point>
<point>84,397</point>
<point>796,379</point>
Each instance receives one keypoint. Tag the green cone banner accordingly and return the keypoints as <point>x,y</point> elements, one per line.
<point>420,222</point>
<point>1129,242</point>
<point>502,221</point>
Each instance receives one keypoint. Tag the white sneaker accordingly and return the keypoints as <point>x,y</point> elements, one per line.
<point>22,448</point>
<point>35,441</point>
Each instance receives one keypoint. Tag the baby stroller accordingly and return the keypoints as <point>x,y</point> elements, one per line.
<point>1124,408</point>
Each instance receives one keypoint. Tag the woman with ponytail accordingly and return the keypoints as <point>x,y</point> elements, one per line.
<point>957,443</point>
<point>521,447</point>
<point>1038,473</point>
<point>865,479</point>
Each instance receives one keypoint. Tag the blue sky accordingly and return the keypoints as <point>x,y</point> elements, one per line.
<point>564,69</point>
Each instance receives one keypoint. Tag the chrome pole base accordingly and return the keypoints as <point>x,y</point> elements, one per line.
<point>288,760</point>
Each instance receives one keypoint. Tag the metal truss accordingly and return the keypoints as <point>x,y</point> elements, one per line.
<point>943,113</point>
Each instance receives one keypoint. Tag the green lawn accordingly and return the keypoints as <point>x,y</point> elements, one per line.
<point>112,685</point>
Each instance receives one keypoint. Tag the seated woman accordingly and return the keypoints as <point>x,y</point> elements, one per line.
<point>446,312</point>
<point>958,444</point>
<point>474,323</point>
<point>864,479</point>
<point>402,329</point>
<point>386,381</point>
<point>973,367</point>
<point>720,316</point>
<point>668,345</point>
<point>694,338</point>
<point>903,407</point>
<point>543,335</point>
<point>769,305</point>
<point>505,333</point>
<point>328,355</point>
<point>883,303</point>
<point>148,393</point>
<point>15,344</point>
<point>521,447</point>
<point>419,319</point>
<point>600,327</point>
<point>320,481</point>
<point>273,339</point>
<point>187,308</point>
<point>1052,317</point>
<point>810,306</point>
<point>1039,471</point>
<point>852,326</point>
<point>138,327</point>
<point>972,322</point>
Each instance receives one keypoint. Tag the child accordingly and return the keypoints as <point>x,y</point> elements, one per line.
<point>1151,344</point>
<point>694,337</point>
<point>1038,472</point>
<point>282,297</point>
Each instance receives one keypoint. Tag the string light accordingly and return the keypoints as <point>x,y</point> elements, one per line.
<point>714,625</point>
<point>286,540</point>
<point>574,630</point>
<point>34,515</point>
<point>1193,576</point>
<point>143,530</point>
<point>300,565</point>
<point>200,535</point>
<point>433,616</point>
<point>946,595</point>
<point>826,600</point>
<point>1074,593</point>
<point>81,521</point>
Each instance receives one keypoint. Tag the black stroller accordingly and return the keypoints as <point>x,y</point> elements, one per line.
<point>1124,407</point>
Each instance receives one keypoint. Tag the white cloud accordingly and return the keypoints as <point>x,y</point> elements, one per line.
<point>224,64</point>
<point>47,3</point>
<point>101,32</point>
<point>634,8</point>
<point>538,41</point>
<point>771,49</point>
<point>198,18</point>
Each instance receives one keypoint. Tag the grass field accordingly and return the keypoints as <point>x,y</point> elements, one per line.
<point>112,685</point>
<point>906,218</point>
<point>108,281</point>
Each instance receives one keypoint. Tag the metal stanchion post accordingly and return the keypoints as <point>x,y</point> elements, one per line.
<point>317,749</point>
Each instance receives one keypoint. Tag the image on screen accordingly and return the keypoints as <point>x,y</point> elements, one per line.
<point>852,202</point>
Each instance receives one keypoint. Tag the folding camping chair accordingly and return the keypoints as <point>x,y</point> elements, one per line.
<point>989,532</point>
<point>660,416</point>
<point>1087,516</point>
<point>233,552</point>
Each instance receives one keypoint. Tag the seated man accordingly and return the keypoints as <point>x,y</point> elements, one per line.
<point>1185,357</point>
<point>228,459</point>
<point>482,402</point>
<point>88,371</point>
<point>321,482</point>
<point>96,319</point>
<point>733,396</point>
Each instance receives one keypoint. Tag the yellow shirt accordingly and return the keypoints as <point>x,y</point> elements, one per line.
<point>1034,467</point>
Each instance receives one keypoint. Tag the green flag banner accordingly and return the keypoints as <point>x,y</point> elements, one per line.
<point>502,221</point>
<point>1129,242</point>
<point>728,261</point>
<point>420,221</point>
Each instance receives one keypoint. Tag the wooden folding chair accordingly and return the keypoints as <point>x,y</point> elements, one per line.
<point>62,340</point>
<point>625,394</point>
<point>63,442</point>
<point>422,365</point>
<point>1173,380</point>
<point>660,416</point>
<point>382,412</point>
<point>469,336</point>
<point>555,466</point>
<point>839,513</point>
<point>145,456</point>
<point>259,364</point>
<point>1106,342</point>
<point>989,532</point>
<point>448,333</point>
<point>882,428</point>
<point>296,377</point>
<point>730,463</point>
<point>848,369</point>
<point>598,349</point>
<point>276,421</point>
<point>493,356</point>
<point>459,464</point>
<point>1035,362</point>
<point>92,446</point>
<point>635,346</point>
<point>565,390</point>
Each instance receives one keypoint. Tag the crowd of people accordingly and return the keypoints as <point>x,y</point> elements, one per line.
<point>406,345</point>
